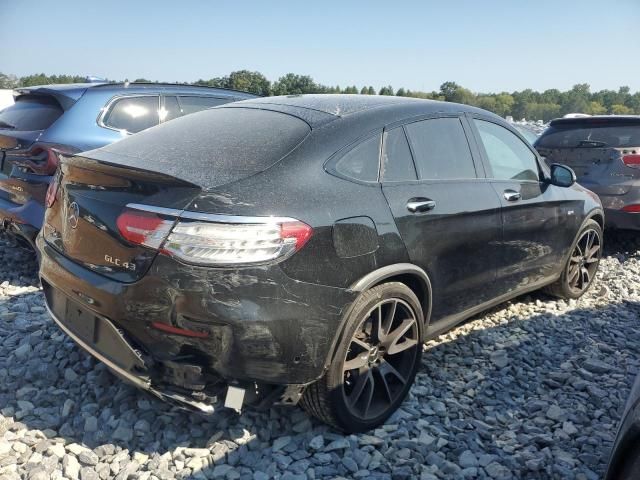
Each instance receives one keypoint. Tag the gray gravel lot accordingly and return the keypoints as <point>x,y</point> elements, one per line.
<point>532,389</point>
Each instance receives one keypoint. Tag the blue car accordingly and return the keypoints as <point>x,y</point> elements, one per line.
<point>52,120</point>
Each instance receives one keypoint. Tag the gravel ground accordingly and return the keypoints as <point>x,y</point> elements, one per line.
<point>532,389</point>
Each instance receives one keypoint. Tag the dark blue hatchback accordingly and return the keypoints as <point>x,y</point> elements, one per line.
<point>50,120</point>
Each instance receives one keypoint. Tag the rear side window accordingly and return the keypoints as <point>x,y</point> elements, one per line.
<point>133,114</point>
<point>509,157</point>
<point>195,104</point>
<point>30,112</point>
<point>440,149</point>
<point>212,147</point>
<point>590,136</point>
<point>361,162</point>
<point>397,163</point>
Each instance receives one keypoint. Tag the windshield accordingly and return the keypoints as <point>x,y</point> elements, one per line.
<point>29,113</point>
<point>590,136</point>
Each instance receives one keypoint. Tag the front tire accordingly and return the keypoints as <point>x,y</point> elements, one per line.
<point>375,361</point>
<point>582,265</point>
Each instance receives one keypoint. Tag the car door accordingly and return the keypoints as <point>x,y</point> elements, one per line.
<point>447,214</point>
<point>536,216</point>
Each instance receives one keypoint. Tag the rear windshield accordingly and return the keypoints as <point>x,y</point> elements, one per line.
<point>211,147</point>
<point>590,136</point>
<point>31,112</point>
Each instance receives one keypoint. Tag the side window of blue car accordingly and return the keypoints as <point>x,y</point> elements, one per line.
<point>133,114</point>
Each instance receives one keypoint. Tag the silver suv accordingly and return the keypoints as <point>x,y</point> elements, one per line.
<point>604,151</point>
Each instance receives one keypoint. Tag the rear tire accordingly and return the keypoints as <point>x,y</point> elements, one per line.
<point>581,267</point>
<point>375,361</point>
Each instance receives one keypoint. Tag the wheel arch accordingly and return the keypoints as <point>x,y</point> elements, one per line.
<point>409,274</point>
<point>598,216</point>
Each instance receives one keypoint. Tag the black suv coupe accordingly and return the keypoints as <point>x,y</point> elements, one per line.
<point>300,249</point>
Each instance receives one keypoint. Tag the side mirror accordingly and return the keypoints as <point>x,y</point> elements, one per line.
<point>562,176</point>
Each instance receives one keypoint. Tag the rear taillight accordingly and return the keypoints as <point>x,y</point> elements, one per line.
<point>144,228</point>
<point>631,209</point>
<point>207,243</point>
<point>42,160</point>
<point>632,161</point>
<point>215,242</point>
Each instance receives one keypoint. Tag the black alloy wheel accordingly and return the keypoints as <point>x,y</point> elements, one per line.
<point>584,260</point>
<point>380,358</point>
<point>374,363</point>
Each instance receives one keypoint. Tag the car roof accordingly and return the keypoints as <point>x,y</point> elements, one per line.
<point>68,93</point>
<point>318,109</point>
<point>597,120</point>
<point>76,90</point>
<point>335,104</point>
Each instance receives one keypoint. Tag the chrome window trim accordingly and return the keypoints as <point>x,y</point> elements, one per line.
<point>208,217</point>
<point>104,110</point>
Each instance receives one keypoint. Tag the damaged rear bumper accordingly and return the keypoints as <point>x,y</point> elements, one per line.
<point>266,333</point>
<point>141,382</point>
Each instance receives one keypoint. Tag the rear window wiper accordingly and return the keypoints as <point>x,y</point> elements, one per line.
<point>6,125</point>
<point>592,143</point>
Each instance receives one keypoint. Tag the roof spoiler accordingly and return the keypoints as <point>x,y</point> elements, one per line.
<point>598,120</point>
<point>66,98</point>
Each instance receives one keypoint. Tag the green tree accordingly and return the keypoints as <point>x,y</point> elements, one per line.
<point>487,102</point>
<point>504,104</point>
<point>542,111</point>
<point>448,90</point>
<point>388,90</point>
<point>8,81</point>
<point>577,99</point>
<point>401,92</point>
<point>247,81</point>
<point>371,91</point>
<point>595,108</point>
<point>292,84</point>
<point>618,109</point>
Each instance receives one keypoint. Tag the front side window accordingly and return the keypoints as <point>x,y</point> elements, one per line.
<point>440,149</point>
<point>397,163</point>
<point>361,162</point>
<point>508,156</point>
<point>133,114</point>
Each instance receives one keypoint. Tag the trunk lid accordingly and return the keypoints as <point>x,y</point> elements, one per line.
<point>86,199</point>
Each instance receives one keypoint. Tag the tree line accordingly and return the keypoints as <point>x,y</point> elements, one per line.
<point>529,104</point>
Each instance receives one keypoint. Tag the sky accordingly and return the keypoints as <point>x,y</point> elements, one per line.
<point>483,45</point>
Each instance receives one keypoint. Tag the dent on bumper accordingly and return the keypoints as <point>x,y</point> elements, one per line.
<point>262,326</point>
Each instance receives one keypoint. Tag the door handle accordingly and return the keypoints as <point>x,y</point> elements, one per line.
<point>419,205</point>
<point>512,195</point>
